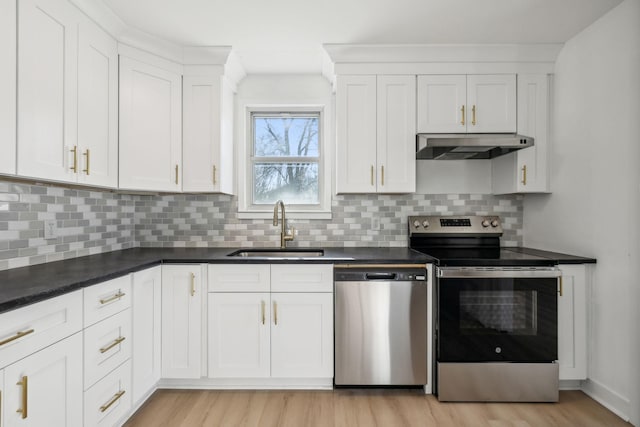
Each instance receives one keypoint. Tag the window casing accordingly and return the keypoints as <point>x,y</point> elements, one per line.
<point>284,159</point>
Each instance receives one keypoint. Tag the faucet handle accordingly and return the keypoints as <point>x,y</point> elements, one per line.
<point>291,234</point>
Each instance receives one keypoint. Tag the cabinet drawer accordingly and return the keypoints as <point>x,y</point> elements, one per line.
<point>27,330</point>
<point>302,278</point>
<point>239,278</point>
<point>109,400</point>
<point>106,299</point>
<point>106,345</point>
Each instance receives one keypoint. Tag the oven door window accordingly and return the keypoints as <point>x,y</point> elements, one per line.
<point>497,319</point>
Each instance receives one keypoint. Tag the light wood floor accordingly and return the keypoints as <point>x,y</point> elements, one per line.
<point>351,408</point>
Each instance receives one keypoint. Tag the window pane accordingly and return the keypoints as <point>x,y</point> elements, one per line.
<point>285,136</point>
<point>294,183</point>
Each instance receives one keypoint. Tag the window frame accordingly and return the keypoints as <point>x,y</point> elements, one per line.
<point>249,210</point>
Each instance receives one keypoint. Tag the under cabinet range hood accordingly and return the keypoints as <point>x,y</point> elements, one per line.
<point>468,146</point>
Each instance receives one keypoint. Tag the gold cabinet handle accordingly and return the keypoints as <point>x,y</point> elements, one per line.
<point>115,398</point>
<point>119,295</point>
<point>560,285</point>
<point>473,115</point>
<point>74,150</point>
<point>25,397</point>
<point>86,154</point>
<point>19,334</point>
<point>372,170</point>
<point>524,175</point>
<point>262,306</point>
<point>193,284</point>
<point>177,174</point>
<point>382,175</point>
<point>462,111</point>
<point>275,313</point>
<point>214,175</point>
<point>113,344</point>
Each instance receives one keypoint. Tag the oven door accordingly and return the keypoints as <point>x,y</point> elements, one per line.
<point>497,314</point>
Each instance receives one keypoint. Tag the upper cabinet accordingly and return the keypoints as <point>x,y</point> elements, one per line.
<point>376,134</point>
<point>150,126</point>
<point>8,53</point>
<point>467,103</point>
<point>527,170</point>
<point>97,106</point>
<point>67,96</point>
<point>207,144</point>
<point>47,89</point>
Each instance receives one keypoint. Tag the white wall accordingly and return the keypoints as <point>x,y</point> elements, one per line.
<point>595,206</point>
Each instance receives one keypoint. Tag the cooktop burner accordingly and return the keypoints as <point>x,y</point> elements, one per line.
<point>467,241</point>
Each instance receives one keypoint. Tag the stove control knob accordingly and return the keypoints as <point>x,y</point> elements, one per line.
<point>485,223</point>
<point>416,223</point>
<point>425,223</point>
<point>495,223</point>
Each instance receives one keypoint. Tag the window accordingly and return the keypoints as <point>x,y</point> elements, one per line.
<point>285,161</point>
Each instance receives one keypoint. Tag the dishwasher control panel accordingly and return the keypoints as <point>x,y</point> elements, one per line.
<point>365,275</point>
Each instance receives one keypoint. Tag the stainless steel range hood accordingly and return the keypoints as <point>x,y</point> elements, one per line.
<point>469,146</point>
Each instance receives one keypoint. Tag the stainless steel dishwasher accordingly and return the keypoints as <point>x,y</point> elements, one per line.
<point>380,325</point>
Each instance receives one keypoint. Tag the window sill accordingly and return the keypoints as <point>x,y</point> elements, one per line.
<point>291,214</point>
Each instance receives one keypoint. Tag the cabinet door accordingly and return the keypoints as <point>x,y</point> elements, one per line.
<point>150,127</point>
<point>356,132</point>
<point>491,103</point>
<point>146,350</point>
<point>181,321</point>
<point>442,101</point>
<point>201,132</point>
<point>47,88</point>
<point>302,335</point>
<point>396,134</point>
<point>2,396</point>
<point>572,323</point>
<point>239,340</point>
<point>51,381</point>
<point>8,52</point>
<point>97,106</point>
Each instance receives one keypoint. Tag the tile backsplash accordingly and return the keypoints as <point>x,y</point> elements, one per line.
<point>94,221</point>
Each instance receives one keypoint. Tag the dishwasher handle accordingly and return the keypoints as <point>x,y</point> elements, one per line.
<point>381,276</point>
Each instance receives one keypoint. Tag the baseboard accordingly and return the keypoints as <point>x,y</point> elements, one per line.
<point>608,398</point>
<point>248,384</point>
<point>570,385</point>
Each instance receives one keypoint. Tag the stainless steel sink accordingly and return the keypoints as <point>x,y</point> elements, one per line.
<point>278,253</point>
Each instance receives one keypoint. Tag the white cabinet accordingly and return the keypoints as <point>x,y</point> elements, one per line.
<point>302,335</point>
<point>572,322</point>
<point>8,52</point>
<point>376,134</point>
<point>150,127</point>
<point>527,170</point>
<point>67,96</point>
<point>181,321</point>
<point>97,106</point>
<point>45,388</point>
<point>461,104</point>
<point>284,333</point>
<point>207,146</point>
<point>239,335</point>
<point>47,89</point>
<point>146,306</point>
<point>1,395</point>
<point>107,402</point>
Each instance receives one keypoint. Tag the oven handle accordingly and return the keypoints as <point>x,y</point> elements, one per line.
<point>480,272</point>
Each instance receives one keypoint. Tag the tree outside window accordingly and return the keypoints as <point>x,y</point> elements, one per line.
<point>286,158</point>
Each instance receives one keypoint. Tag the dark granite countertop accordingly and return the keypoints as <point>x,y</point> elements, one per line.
<point>559,257</point>
<point>28,285</point>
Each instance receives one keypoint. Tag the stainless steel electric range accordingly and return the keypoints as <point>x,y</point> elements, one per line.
<point>497,312</point>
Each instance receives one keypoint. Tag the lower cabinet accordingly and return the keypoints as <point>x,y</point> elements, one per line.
<point>286,331</point>
<point>45,388</point>
<point>181,320</point>
<point>572,322</point>
<point>146,321</point>
<point>109,400</point>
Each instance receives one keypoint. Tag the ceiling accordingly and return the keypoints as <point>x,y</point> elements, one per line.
<point>286,36</point>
